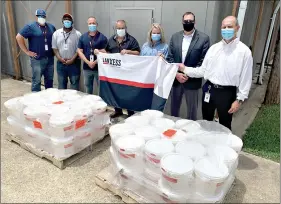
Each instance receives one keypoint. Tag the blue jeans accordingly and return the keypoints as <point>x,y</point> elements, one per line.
<point>72,72</point>
<point>43,66</point>
<point>89,77</point>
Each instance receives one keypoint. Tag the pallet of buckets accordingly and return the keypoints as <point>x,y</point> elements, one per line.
<point>157,158</point>
<point>57,123</point>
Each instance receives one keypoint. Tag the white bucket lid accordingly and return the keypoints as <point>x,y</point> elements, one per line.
<point>159,147</point>
<point>36,111</point>
<point>63,119</point>
<point>92,98</point>
<point>137,121</point>
<point>152,113</point>
<point>235,142</point>
<point>163,123</point>
<point>191,149</point>
<point>212,126</point>
<point>13,103</point>
<point>31,99</point>
<point>71,97</point>
<point>99,106</point>
<point>57,109</point>
<point>222,152</point>
<point>68,92</point>
<point>120,130</point>
<point>174,135</point>
<point>192,126</point>
<point>210,169</point>
<point>177,164</point>
<point>147,132</point>
<point>130,142</point>
<point>182,122</point>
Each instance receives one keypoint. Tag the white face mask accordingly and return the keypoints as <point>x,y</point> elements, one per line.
<point>41,21</point>
<point>121,32</point>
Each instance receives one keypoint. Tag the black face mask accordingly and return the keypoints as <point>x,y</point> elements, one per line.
<point>188,26</point>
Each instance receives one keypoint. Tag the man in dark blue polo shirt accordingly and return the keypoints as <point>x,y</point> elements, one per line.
<point>39,35</point>
<point>123,43</point>
<point>88,42</point>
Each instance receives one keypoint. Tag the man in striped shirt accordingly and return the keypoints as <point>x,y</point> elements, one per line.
<point>65,43</point>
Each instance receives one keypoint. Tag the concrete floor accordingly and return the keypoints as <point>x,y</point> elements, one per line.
<point>26,178</point>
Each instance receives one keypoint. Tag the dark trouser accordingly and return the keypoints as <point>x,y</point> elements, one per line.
<point>89,77</point>
<point>119,110</point>
<point>72,72</point>
<point>221,99</point>
<point>40,67</point>
<point>191,97</point>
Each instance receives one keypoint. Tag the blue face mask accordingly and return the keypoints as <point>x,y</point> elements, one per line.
<point>92,28</point>
<point>155,37</point>
<point>227,33</point>
<point>67,23</point>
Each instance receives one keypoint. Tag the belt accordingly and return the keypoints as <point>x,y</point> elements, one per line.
<point>216,86</point>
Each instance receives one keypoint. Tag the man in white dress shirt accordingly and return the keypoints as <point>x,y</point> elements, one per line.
<point>227,67</point>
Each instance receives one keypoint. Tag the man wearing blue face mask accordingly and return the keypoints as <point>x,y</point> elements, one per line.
<point>88,42</point>
<point>227,67</point>
<point>39,35</point>
<point>64,44</point>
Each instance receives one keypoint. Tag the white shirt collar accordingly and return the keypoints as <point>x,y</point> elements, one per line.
<point>233,42</point>
<point>190,35</point>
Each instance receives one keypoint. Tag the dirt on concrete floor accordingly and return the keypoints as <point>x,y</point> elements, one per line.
<point>27,178</point>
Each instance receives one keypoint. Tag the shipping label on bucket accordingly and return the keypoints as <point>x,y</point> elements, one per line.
<point>37,125</point>
<point>169,133</point>
<point>58,102</point>
<point>80,123</point>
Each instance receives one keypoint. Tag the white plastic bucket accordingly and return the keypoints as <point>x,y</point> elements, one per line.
<point>137,121</point>
<point>174,135</point>
<point>130,152</point>
<point>148,132</point>
<point>154,150</point>
<point>83,138</point>
<point>37,117</point>
<point>14,107</point>
<point>212,126</point>
<point>152,114</point>
<point>61,125</point>
<point>163,123</point>
<point>177,173</point>
<point>223,153</point>
<point>63,147</point>
<point>209,176</point>
<point>191,149</point>
<point>235,143</point>
<point>32,99</point>
<point>37,138</point>
<point>119,130</point>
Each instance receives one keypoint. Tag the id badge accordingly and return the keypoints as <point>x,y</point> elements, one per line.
<point>207,97</point>
<point>65,47</point>
<point>91,58</point>
<point>46,47</point>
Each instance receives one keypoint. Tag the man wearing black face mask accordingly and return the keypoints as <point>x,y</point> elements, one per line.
<point>187,47</point>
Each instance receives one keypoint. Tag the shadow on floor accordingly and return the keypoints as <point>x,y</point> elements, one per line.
<point>237,193</point>
<point>246,163</point>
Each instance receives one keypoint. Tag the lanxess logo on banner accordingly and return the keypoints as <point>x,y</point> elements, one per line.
<point>113,62</point>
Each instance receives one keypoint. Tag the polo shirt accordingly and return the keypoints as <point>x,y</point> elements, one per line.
<point>99,41</point>
<point>128,43</point>
<point>36,38</point>
<point>153,50</point>
<point>61,39</point>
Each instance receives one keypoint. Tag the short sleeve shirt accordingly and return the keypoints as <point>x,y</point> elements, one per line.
<point>129,43</point>
<point>99,41</point>
<point>36,36</point>
<point>66,43</point>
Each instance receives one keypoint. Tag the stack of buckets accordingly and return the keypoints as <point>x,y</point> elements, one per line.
<point>166,161</point>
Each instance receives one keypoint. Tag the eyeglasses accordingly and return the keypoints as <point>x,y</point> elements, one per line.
<point>188,21</point>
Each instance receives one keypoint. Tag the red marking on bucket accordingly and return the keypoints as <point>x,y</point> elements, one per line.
<point>67,128</point>
<point>37,124</point>
<point>167,200</point>
<point>169,133</point>
<point>152,154</point>
<point>127,156</point>
<point>172,180</point>
<point>154,160</point>
<point>68,145</point>
<point>58,102</point>
<point>219,184</point>
<point>80,123</point>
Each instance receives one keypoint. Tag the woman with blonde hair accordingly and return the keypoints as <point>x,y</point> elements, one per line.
<point>155,44</point>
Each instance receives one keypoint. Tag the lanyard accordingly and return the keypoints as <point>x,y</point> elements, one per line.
<point>65,39</point>
<point>92,40</point>
<point>44,32</point>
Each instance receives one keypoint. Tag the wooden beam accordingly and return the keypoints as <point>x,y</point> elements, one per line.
<point>12,34</point>
<point>235,7</point>
<point>48,5</point>
<point>258,25</point>
<point>68,6</point>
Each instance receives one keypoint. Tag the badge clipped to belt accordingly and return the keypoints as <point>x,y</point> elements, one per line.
<point>207,95</point>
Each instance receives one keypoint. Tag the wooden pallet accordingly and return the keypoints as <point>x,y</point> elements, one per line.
<point>105,180</point>
<point>60,163</point>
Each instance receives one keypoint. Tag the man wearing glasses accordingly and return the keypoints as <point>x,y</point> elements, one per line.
<point>187,47</point>
<point>39,35</point>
